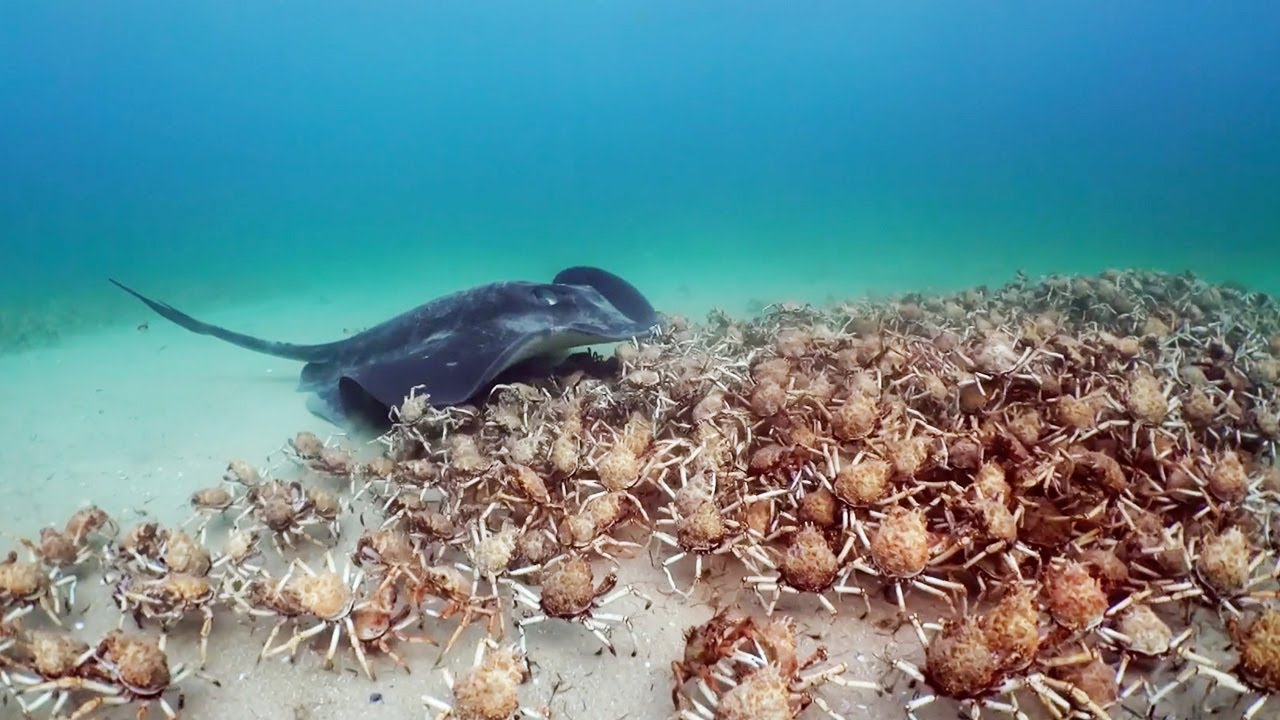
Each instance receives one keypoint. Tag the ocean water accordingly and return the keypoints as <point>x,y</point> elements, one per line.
<point>727,153</point>
<point>295,170</point>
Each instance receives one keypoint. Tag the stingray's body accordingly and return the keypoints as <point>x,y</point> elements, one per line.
<point>454,347</point>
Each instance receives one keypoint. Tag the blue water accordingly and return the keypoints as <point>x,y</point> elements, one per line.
<point>214,150</point>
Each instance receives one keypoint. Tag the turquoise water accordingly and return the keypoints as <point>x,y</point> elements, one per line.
<point>212,151</point>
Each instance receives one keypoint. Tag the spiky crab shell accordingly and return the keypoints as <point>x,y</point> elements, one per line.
<point>179,588</point>
<point>1258,643</point>
<point>1012,628</point>
<point>495,553</point>
<point>702,530</point>
<point>21,579</point>
<point>619,469</point>
<point>55,654</point>
<point>139,664</point>
<point>809,565</point>
<point>1074,597</point>
<point>183,554</point>
<point>900,545</point>
<point>324,595</point>
<point>959,663</point>
<point>862,483</point>
<point>568,590</point>
<point>762,695</point>
<point>819,507</point>
<point>1223,561</point>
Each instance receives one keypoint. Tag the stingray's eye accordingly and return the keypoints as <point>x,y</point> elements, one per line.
<point>545,296</point>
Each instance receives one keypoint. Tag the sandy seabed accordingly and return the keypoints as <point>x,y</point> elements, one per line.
<point>136,421</point>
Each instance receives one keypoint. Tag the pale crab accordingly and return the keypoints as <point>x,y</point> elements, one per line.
<point>808,565</point>
<point>286,509</point>
<point>59,552</point>
<point>901,549</point>
<point>568,593</point>
<point>327,597</point>
<point>38,658</point>
<point>169,599</point>
<point>24,586</point>
<point>490,690</point>
<point>700,527</point>
<point>125,669</point>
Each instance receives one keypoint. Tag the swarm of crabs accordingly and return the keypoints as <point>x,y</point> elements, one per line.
<point>1063,493</point>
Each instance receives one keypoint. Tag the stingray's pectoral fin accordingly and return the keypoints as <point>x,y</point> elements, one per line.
<point>448,373</point>
<point>621,294</point>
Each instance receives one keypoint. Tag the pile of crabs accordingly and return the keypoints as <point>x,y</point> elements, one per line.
<point>1065,490</point>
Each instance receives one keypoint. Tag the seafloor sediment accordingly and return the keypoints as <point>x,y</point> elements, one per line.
<point>1061,491</point>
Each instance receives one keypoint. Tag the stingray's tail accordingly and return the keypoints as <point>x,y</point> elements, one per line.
<point>305,353</point>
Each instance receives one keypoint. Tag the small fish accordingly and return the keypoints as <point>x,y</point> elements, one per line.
<point>144,327</point>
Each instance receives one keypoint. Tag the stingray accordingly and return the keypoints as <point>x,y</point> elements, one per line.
<point>454,348</point>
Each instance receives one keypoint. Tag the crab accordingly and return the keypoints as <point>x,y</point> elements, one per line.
<point>329,598</point>
<point>390,552</point>
<point>901,551</point>
<point>59,552</point>
<point>88,522</point>
<point>153,550</point>
<point>588,529</point>
<point>768,682</point>
<point>169,599</point>
<point>701,529</point>
<point>285,509</point>
<point>209,503</point>
<point>448,584</point>
<point>1223,570</point>
<point>492,554</point>
<point>568,593</point>
<point>326,509</point>
<point>521,486</point>
<point>490,690</point>
<point>379,620</point>
<point>125,669</point>
<point>973,659</point>
<point>239,550</point>
<point>1139,633</point>
<point>807,566</point>
<point>705,646</point>
<point>264,596</point>
<point>39,658</point>
<point>24,586</point>
<point>1257,641</point>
